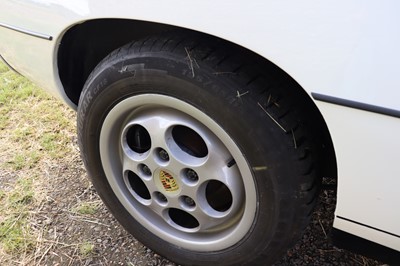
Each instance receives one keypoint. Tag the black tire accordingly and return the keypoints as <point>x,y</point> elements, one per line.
<point>220,103</point>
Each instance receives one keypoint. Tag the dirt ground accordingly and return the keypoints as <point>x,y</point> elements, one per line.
<point>64,231</point>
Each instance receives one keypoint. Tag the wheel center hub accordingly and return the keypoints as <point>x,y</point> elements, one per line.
<point>168,182</point>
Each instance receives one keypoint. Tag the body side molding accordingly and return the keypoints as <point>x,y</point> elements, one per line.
<point>28,32</point>
<point>356,105</point>
<point>374,228</point>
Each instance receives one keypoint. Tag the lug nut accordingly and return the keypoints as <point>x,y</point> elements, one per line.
<point>163,155</point>
<point>192,175</point>
<point>189,201</point>
<point>146,170</point>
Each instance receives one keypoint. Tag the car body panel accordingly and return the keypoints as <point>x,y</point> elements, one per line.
<point>345,49</point>
<point>329,48</point>
<point>368,178</point>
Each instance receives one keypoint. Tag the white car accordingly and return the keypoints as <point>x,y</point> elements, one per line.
<point>207,126</point>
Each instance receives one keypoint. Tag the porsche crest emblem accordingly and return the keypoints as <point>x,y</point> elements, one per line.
<point>168,181</point>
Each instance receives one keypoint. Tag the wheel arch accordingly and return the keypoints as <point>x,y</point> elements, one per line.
<point>84,45</point>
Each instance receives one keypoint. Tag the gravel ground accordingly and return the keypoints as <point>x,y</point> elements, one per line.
<point>72,226</point>
<point>65,230</point>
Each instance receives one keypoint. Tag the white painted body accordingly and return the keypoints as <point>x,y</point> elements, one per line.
<point>346,49</point>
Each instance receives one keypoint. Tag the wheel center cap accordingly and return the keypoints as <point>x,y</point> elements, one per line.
<point>168,181</point>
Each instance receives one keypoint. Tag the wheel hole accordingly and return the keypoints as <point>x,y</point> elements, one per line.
<point>138,186</point>
<point>145,170</point>
<point>218,196</point>
<point>189,141</point>
<point>161,198</point>
<point>183,218</point>
<point>138,139</point>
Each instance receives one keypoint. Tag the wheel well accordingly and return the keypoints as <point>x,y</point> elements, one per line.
<point>84,45</point>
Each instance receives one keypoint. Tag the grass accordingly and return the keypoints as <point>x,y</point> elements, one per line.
<point>21,104</point>
<point>34,130</point>
<point>87,208</point>
<point>86,248</point>
<point>46,210</point>
<point>15,232</point>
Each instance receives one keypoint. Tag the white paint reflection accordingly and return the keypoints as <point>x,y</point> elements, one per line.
<point>80,7</point>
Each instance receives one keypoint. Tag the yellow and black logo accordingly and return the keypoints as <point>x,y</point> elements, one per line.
<point>168,181</point>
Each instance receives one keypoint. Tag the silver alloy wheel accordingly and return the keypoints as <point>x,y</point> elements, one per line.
<point>177,172</point>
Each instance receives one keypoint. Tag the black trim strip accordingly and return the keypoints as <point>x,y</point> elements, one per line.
<point>28,32</point>
<point>377,229</point>
<point>365,247</point>
<point>356,105</point>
